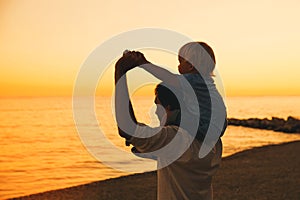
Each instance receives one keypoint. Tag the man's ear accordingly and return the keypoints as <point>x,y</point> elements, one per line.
<point>168,108</point>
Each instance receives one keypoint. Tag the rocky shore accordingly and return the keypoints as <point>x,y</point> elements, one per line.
<point>290,125</point>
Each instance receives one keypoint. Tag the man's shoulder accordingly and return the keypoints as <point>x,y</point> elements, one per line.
<point>173,129</point>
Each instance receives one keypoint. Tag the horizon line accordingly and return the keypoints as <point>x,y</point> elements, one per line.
<point>45,96</point>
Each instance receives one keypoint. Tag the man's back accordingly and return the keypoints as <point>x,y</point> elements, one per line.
<point>189,177</point>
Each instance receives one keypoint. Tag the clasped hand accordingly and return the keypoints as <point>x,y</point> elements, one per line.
<point>129,61</point>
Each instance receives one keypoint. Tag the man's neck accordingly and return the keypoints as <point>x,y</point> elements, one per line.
<point>173,117</point>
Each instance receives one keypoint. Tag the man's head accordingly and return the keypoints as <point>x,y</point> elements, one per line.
<point>166,97</point>
<point>165,100</point>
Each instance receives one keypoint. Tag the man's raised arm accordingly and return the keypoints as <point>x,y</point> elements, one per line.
<point>125,117</point>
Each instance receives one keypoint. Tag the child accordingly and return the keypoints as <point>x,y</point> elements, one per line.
<point>196,64</point>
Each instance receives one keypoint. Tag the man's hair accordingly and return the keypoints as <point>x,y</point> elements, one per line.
<point>166,97</point>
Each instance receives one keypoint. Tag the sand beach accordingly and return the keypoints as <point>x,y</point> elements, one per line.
<point>268,172</point>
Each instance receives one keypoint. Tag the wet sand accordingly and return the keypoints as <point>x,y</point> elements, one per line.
<point>269,172</point>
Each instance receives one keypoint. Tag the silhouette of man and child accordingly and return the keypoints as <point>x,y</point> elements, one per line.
<point>192,116</point>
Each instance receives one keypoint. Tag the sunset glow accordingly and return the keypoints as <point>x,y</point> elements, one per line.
<point>44,43</point>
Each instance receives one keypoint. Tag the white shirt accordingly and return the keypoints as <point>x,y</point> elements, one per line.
<point>182,176</point>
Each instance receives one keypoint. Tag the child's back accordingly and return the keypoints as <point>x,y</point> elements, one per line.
<point>197,62</point>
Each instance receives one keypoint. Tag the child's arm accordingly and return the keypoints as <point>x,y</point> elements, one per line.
<point>136,58</point>
<point>162,74</point>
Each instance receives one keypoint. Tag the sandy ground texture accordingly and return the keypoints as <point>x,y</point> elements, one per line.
<point>269,172</point>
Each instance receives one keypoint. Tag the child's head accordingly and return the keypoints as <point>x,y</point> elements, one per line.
<point>196,57</point>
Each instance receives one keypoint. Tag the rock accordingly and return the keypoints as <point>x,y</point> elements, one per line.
<point>291,125</point>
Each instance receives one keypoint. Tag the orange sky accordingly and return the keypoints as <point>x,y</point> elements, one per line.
<point>44,43</point>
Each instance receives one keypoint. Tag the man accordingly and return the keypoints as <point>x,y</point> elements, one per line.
<point>181,173</point>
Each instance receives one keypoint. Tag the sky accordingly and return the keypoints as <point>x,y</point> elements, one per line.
<point>44,43</point>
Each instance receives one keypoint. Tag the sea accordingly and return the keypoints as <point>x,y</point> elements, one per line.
<point>42,149</point>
